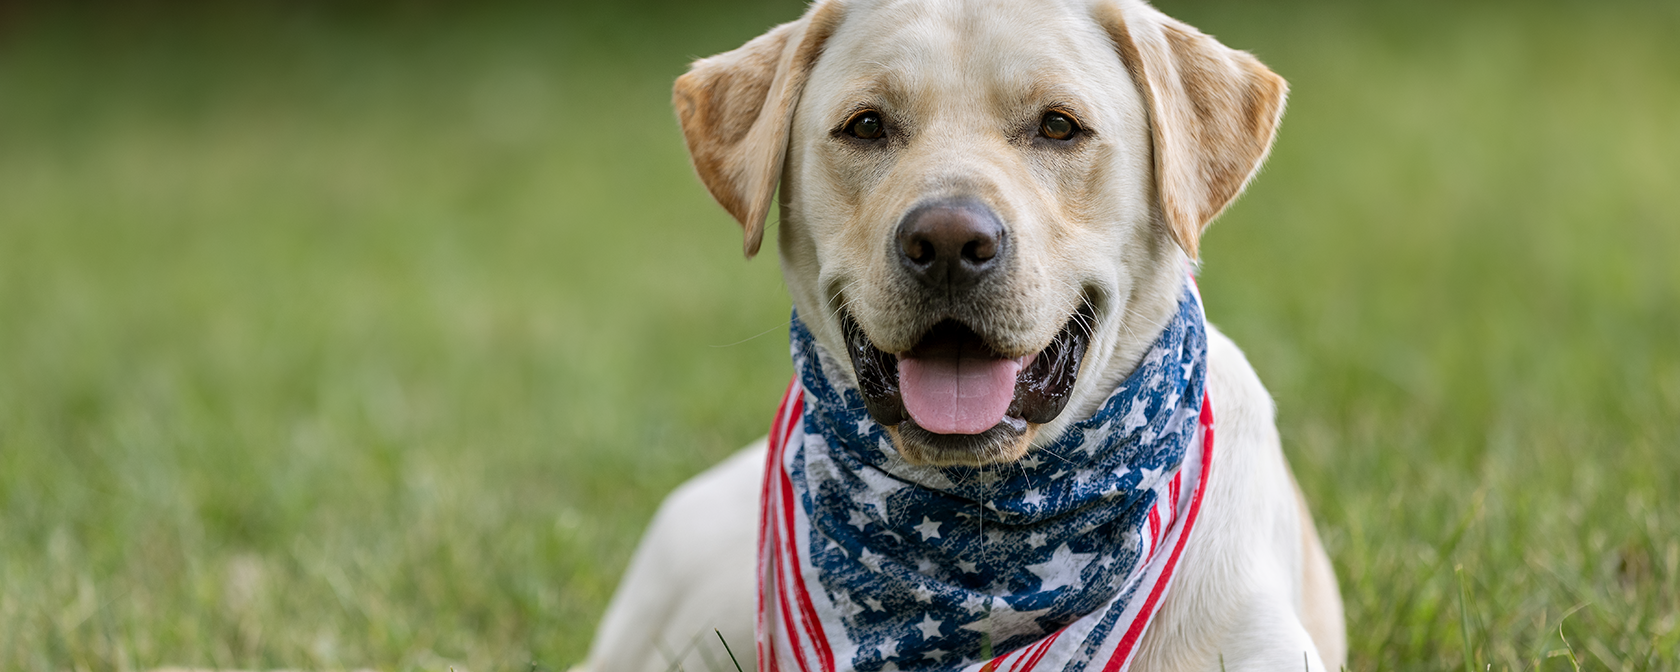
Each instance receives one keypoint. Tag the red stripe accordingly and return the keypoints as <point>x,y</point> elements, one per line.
<point>1154,529</point>
<point>787,620</point>
<point>1020,655</point>
<point>767,537</point>
<point>1147,612</point>
<point>787,560</point>
<point>814,629</point>
<point>1029,655</point>
<point>766,532</point>
<point>1177,480</point>
<point>807,611</point>
<point>998,662</point>
<point>1043,648</point>
<point>787,564</point>
<point>1021,663</point>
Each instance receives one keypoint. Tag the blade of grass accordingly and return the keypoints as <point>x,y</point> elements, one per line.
<point>727,650</point>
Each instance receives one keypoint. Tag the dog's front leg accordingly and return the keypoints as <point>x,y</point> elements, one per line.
<point>690,580</point>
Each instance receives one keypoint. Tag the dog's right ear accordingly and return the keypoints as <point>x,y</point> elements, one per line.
<point>736,108</point>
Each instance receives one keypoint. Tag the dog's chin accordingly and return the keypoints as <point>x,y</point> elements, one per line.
<point>1004,443</point>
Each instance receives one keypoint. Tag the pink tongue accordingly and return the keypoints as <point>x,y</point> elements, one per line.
<point>957,395</point>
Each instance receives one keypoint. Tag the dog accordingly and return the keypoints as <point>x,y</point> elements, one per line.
<point>988,212</point>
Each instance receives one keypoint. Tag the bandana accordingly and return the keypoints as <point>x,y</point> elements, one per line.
<point>1056,562</point>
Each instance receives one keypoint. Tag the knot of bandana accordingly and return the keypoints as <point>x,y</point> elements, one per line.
<point>1047,563</point>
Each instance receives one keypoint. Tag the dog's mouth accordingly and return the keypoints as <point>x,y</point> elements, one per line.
<point>953,394</point>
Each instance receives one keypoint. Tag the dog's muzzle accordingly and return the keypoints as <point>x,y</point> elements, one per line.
<point>953,384</point>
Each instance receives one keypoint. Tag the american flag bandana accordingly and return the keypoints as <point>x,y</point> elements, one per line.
<point>1056,562</point>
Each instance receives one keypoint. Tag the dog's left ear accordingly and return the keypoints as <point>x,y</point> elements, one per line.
<point>736,108</point>
<point>1213,112</point>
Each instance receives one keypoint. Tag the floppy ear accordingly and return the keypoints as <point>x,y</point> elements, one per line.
<point>735,109</point>
<point>1213,112</point>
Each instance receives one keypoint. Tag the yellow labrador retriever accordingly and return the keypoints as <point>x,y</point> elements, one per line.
<point>988,210</point>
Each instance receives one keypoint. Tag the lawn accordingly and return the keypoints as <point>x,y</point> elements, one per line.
<point>370,334</point>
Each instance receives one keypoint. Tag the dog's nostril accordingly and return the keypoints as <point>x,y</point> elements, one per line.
<point>917,250</point>
<point>950,244</point>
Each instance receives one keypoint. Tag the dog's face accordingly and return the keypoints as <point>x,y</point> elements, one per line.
<point>985,204</point>
<point>963,202</point>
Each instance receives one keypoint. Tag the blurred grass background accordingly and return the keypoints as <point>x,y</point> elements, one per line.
<point>370,334</point>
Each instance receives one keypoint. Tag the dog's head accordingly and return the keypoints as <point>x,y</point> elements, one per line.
<point>985,203</point>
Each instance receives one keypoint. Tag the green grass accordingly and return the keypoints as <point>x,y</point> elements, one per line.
<point>371,335</point>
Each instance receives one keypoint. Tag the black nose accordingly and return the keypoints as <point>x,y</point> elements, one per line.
<point>952,244</point>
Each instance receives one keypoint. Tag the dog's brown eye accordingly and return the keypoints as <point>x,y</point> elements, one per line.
<point>1057,126</point>
<point>866,126</point>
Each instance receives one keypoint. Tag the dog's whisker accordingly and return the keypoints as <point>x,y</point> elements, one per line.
<point>1055,455</point>
<point>835,312</point>
<point>756,336</point>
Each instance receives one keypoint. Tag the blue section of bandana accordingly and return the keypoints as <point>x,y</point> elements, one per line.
<point>930,566</point>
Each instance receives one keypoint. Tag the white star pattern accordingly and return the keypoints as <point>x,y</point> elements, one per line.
<point>1172,400</point>
<point>888,648</point>
<point>1134,416</point>
<point>936,655</point>
<point>929,529</point>
<point>1156,354</point>
<point>1033,498</point>
<point>879,487</point>
<point>864,425</point>
<point>929,626</point>
<point>1094,438</point>
<point>1062,569</point>
<point>968,567</point>
<point>1030,462</point>
<point>1004,621</point>
<point>1148,478</point>
<point>1037,539</point>
<point>873,604</point>
<point>871,559</point>
<point>858,519</point>
<point>974,604</point>
<point>1182,419</point>
<point>847,608</point>
<point>923,594</point>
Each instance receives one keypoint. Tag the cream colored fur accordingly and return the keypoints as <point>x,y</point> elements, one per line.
<point>1176,125</point>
